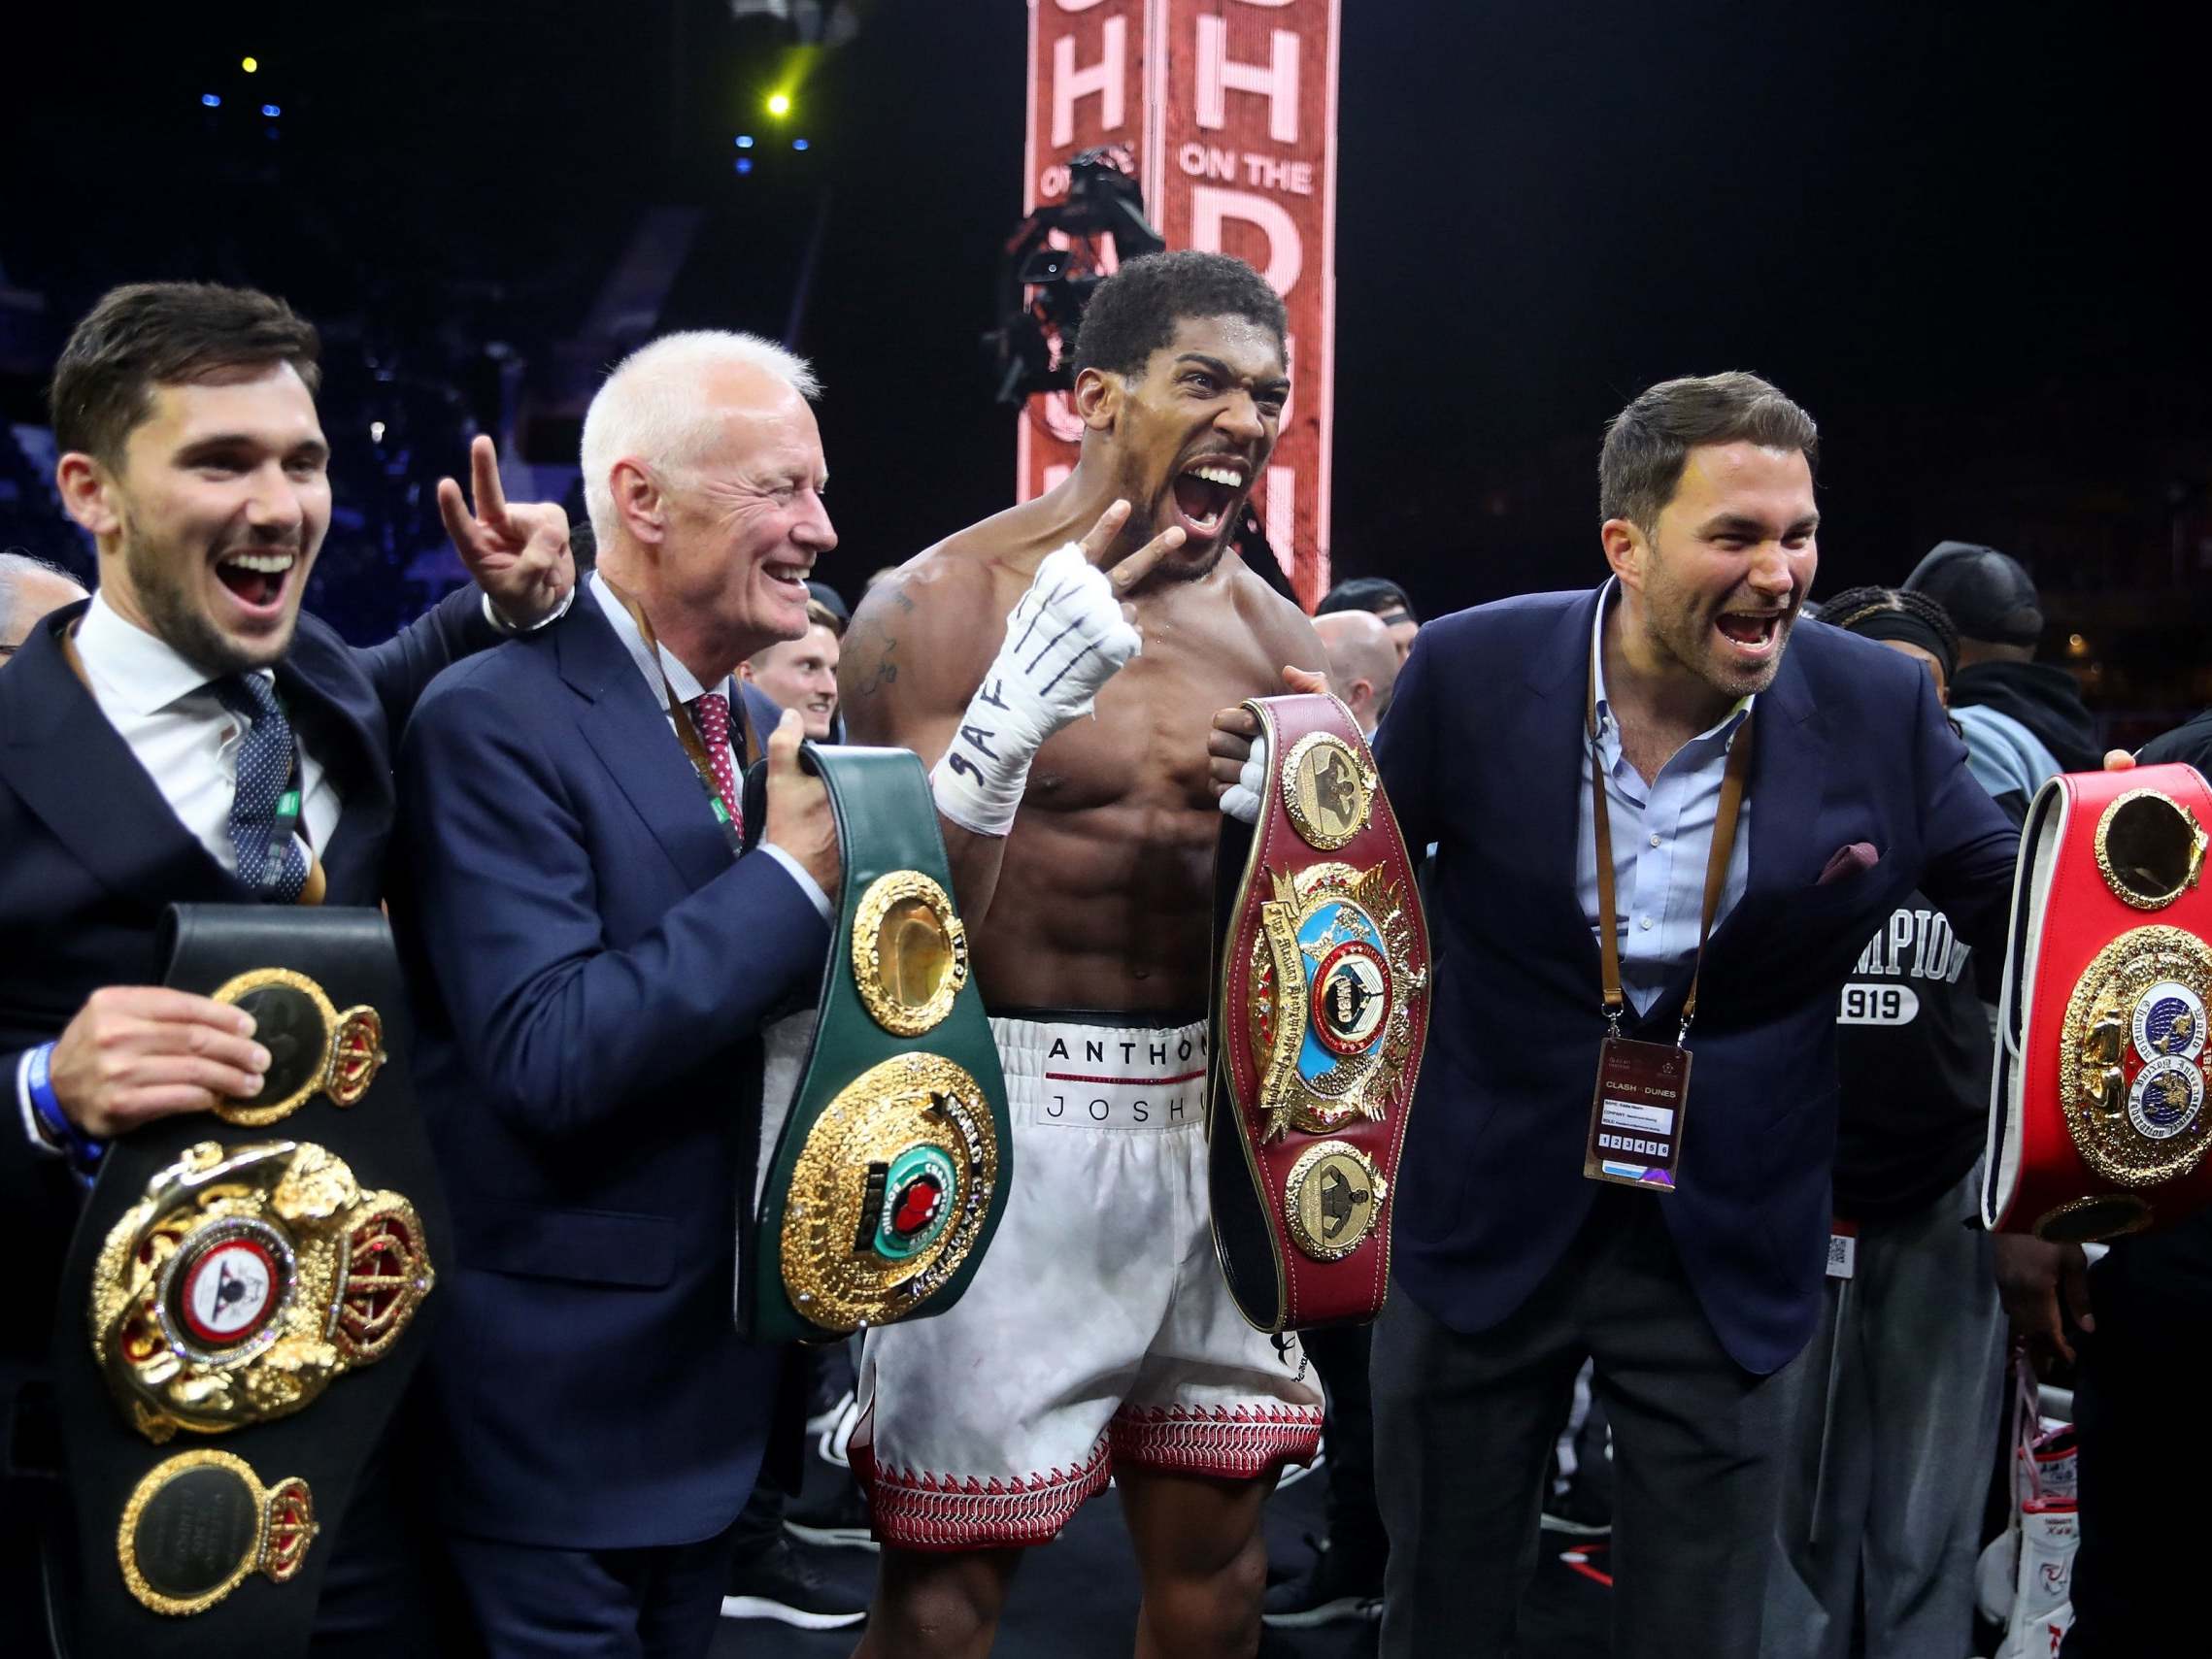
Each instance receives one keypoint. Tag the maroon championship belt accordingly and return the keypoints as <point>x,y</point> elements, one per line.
<point>2098,1117</point>
<point>1320,960</point>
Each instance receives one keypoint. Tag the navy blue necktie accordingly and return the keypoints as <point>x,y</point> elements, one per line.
<point>264,774</point>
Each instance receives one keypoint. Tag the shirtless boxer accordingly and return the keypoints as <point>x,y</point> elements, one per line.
<point>1098,1336</point>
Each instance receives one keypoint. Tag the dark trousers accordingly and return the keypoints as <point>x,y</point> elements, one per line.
<point>1463,1424</point>
<point>2144,1469</point>
<point>530,1603</point>
<point>1340,1357</point>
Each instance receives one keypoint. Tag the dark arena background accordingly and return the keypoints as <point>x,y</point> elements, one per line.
<point>1958,234</point>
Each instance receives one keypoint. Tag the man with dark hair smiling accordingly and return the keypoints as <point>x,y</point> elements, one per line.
<point>1610,776</point>
<point>192,454</point>
<point>1098,1338</point>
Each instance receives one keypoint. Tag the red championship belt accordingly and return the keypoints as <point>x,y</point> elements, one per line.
<point>1320,960</point>
<point>2098,1117</point>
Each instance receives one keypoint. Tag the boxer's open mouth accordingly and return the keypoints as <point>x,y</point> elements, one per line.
<point>256,576</point>
<point>1207,489</point>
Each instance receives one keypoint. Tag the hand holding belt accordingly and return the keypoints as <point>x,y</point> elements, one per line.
<point>880,1183</point>
<point>2097,1119</point>
<point>256,1274</point>
<point>1320,960</point>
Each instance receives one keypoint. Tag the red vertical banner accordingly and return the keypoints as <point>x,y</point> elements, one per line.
<point>1087,89</point>
<point>1230,110</point>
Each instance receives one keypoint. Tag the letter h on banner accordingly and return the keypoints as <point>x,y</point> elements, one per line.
<point>1244,89</point>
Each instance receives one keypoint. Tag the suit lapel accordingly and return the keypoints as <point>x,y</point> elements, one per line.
<point>627,728</point>
<point>1553,720</point>
<point>73,770</point>
<point>343,746</point>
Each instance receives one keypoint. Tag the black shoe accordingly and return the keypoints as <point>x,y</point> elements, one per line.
<point>1334,1588</point>
<point>836,1520</point>
<point>781,1584</point>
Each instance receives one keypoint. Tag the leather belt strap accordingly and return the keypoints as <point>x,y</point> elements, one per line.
<point>2098,1120</point>
<point>1320,964</point>
<point>878,1189</point>
<point>244,1300</point>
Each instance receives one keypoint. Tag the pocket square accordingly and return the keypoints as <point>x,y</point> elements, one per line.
<point>1848,861</point>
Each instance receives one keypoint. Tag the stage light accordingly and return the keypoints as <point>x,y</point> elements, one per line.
<point>270,110</point>
<point>375,432</point>
<point>250,64</point>
<point>744,164</point>
<point>779,102</point>
<point>799,144</point>
<point>745,141</point>
<point>210,100</point>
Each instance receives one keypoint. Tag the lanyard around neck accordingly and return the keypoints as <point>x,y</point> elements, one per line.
<point>686,732</point>
<point>1716,861</point>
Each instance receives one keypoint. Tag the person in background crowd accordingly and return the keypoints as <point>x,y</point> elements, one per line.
<point>591,963</point>
<point>1386,598</point>
<point>193,453</point>
<point>1530,1231</point>
<point>1362,663</point>
<point>2023,720</point>
<point>30,589</point>
<point>802,674</point>
<point>1894,1407</point>
<point>833,602</point>
<point>2133,1324</point>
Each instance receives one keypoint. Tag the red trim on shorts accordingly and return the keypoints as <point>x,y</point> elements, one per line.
<point>912,1509</point>
<point>1242,1444</point>
<point>1079,1077</point>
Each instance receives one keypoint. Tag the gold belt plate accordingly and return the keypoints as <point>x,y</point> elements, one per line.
<point>2131,1058</point>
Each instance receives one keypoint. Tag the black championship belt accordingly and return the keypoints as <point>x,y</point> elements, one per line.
<point>2098,1122</point>
<point>1320,960</point>
<point>883,1173</point>
<point>242,1301</point>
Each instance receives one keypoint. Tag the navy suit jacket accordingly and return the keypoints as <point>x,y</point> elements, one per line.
<point>90,854</point>
<point>591,969</point>
<point>1482,752</point>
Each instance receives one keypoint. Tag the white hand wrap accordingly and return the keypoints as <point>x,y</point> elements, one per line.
<point>1064,640</point>
<point>1241,800</point>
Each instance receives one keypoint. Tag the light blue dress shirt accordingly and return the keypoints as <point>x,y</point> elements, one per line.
<point>1662,835</point>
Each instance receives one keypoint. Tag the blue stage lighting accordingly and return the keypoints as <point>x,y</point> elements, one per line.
<point>745,141</point>
<point>744,164</point>
<point>799,144</point>
<point>210,100</point>
<point>270,110</point>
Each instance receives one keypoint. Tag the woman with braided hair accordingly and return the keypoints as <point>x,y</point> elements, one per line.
<point>1894,1405</point>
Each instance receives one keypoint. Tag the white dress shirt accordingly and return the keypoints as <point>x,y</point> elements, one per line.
<point>1662,836</point>
<point>686,686</point>
<point>164,707</point>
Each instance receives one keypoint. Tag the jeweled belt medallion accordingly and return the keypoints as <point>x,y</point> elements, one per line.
<point>2131,1062</point>
<point>246,1281</point>
<point>312,1047</point>
<point>201,1523</point>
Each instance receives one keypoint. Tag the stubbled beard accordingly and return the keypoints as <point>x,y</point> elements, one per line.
<point>154,577</point>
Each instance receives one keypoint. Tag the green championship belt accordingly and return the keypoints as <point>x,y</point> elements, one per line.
<point>882,1173</point>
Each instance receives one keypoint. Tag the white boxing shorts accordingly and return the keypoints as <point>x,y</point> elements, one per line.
<point>1099,1331</point>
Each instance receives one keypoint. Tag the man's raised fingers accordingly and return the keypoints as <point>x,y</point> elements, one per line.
<point>483,479</point>
<point>452,509</point>
<point>784,743</point>
<point>1100,539</point>
<point>1132,569</point>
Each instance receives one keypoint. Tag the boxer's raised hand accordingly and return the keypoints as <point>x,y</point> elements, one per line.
<point>137,1052</point>
<point>518,553</point>
<point>1066,636</point>
<point>799,816</point>
<point>1236,753</point>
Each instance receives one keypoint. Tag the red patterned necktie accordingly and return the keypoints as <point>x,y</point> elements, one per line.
<point>710,712</point>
